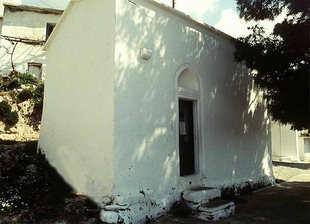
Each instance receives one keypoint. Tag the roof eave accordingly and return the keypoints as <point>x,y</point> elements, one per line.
<point>16,8</point>
<point>157,4</point>
<point>191,20</point>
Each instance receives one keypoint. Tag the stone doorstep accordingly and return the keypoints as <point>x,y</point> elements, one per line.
<point>116,208</point>
<point>192,206</point>
<point>214,206</point>
<point>216,210</point>
<point>201,194</point>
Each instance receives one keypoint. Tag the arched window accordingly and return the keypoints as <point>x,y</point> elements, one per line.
<point>188,83</point>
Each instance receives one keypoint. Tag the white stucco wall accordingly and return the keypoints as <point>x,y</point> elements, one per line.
<point>24,24</point>
<point>1,21</point>
<point>234,129</point>
<point>1,15</point>
<point>1,8</point>
<point>287,144</point>
<point>15,2</point>
<point>55,4</point>
<point>284,142</point>
<point>301,149</point>
<point>77,132</point>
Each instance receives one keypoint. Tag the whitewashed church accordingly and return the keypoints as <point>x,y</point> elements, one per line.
<point>143,103</point>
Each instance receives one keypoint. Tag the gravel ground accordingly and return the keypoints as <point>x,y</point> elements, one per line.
<point>288,202</point>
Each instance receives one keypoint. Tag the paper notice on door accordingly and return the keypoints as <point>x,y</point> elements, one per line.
<point>182,128</point>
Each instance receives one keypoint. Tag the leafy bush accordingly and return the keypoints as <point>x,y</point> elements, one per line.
<point>6,115</point>
<point>24,78</point>
<point>25,95</point>
<point>3,83</point>
<point>11,118</point>
<point>38,97</point>
<point>15,81</point>
<point>11,84</point>
<point>5,109</point>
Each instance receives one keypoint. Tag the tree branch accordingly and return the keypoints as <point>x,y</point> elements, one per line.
<point>23,40</point>
<point>12,53</point>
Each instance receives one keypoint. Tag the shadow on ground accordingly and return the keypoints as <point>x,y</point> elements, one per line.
<point>285,203</point>
<point>31,191</point>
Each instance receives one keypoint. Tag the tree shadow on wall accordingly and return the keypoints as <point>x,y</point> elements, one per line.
<point>234,120</point>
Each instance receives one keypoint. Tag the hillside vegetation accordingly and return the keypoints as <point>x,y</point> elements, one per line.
<point>21,102</point>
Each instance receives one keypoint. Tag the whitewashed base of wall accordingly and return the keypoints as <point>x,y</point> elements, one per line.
<point>113,214</point>
<point>204,202</point>
<point>197,200</point>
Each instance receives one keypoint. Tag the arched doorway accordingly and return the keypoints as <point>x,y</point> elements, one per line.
<point>187,97</point>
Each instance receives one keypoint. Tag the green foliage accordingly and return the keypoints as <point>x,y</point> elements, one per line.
<point>16,80</point>
<point>281,60</point>
<point>5,108</point>
<point>24,95</point>
<point>24,78</point>
<point>8,116</point>
<point>20,87</point>
<point>38,97</point>
<point>269,9</point>
<point>11,118</point>
<point>12,85</point>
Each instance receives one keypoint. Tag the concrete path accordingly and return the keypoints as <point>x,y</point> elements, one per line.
<point>286,203</point>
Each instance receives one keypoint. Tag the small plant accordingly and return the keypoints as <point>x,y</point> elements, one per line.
<point>12,84</point>
<point>11,118</point>
<point>24,78</point>
<point>5,109</point>
<point>8,116</point>
<point>24,95</point>
<point>4,80</point>
<point>16,80</point>
<point>38,96</point>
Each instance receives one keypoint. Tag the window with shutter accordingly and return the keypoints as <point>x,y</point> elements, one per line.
<point>35,69</point>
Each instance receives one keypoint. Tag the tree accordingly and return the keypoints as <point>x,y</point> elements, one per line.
<point>280,61</point>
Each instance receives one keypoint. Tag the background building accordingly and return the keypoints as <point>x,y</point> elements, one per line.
<point>24,31</point>
<point>289,145</point>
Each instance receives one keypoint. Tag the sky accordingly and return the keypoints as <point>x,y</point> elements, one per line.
<point>222,14</point>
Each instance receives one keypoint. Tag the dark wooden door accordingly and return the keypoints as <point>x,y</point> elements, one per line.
<point>186,138</point>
